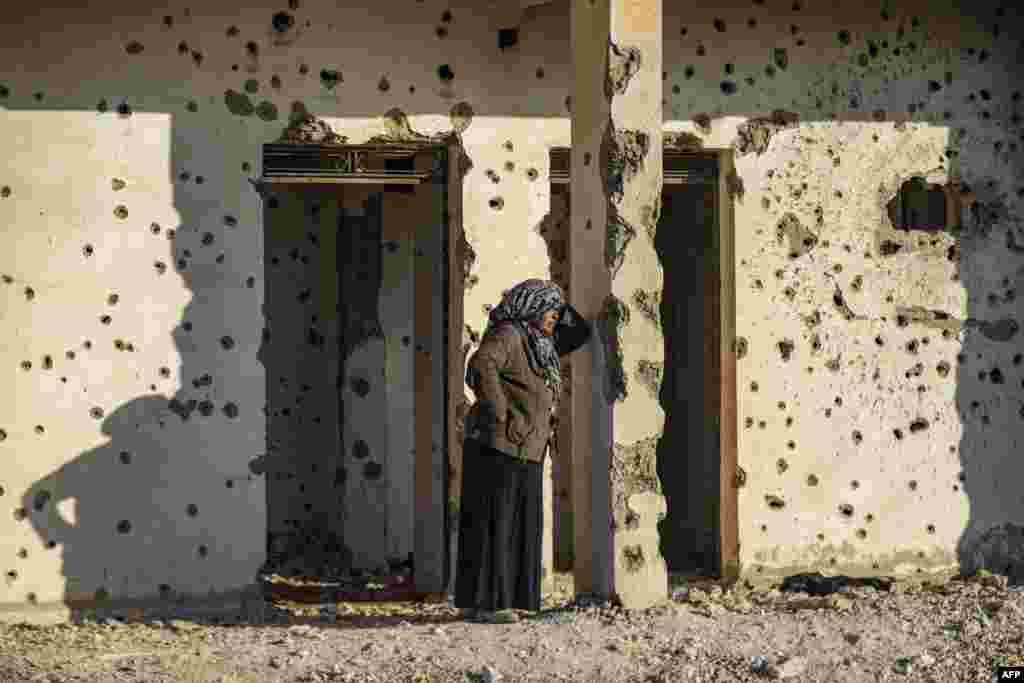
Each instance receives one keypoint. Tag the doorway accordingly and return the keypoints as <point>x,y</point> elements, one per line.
<point>358,308</point>
<point>696,455</point>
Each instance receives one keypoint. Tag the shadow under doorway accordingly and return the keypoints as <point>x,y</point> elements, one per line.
<point>355,348</point>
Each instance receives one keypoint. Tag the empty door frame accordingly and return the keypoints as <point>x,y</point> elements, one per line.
<point>675,172</point>
<point>438,269</point>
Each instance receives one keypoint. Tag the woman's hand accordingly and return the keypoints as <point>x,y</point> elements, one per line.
<point>516,429</point>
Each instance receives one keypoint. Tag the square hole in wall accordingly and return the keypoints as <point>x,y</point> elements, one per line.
<point>918,205</point>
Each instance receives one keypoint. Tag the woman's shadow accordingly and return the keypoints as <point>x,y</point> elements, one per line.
<point>161,508</point>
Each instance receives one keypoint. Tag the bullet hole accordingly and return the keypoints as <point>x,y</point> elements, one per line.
<point>124,110</point>
<point>888,247</point>
<point>844,37</point>
<point>912,347</point>
<point>252,48</point>
<point>230,410</point>
<point>125,457</point>
<point>780,57</point>
<point>360,449</point>
<point>688,72</point>
<point>751,23</point>
<point>87,344</point>
<point>754,386</point>
<point>846,510</point>
<point>282,22</point>
<point>540,72</point>
<point>497,203</point>
<point>96,412</point>
<point>203,551</point>
<point>329,78</point>
<point>360,387</point>
<point>774,502</point>
<point>786,347</point>
<point>373,470</point>
<point>740,347</point>
<point>20,514</point>
<point>701,50</point>
<point>749,422</point>
<point>930,528</point>
<point>192,510</point>
<point>124,526</point>
<point>996,376</point>
<point>205,408</point>
<point>781,466</point>
<point>728,87</point>
<point>508,37</point>
<point>227,343</point>
<point>898,433</point>
<point>790,293</point>
<point>858,438</point>
<point>445,73</point>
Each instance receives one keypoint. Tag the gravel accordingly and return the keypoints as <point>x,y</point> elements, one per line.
<point>958,630</point>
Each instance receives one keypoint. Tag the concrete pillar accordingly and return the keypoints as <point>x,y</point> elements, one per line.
<point>616,188</point>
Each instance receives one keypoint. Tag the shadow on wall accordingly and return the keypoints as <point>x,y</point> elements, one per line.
<point>167,506</point>
<point>989,368</point>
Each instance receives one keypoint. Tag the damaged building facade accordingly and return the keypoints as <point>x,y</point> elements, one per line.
<point>247,249</point>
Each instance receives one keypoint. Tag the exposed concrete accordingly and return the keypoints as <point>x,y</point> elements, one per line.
<point>640,571</point>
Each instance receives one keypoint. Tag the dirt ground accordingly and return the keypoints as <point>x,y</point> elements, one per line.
<point>958,630</point>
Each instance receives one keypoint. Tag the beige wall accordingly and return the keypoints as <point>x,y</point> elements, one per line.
<point>62,155</point>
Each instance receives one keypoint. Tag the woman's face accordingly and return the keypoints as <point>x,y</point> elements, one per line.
<point>549,321</point>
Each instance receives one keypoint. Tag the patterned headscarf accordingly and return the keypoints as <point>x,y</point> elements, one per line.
<point>524,307</point>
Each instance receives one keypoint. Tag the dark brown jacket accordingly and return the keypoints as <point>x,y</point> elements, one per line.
<point>514,406</point>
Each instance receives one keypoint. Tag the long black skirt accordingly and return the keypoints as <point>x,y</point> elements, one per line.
<point>500,531</point>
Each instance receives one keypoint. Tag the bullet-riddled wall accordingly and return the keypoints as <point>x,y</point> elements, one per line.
<point>879,373</point>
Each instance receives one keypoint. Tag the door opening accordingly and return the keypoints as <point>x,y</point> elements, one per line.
<point>696,455</point>
<point>356,350</point>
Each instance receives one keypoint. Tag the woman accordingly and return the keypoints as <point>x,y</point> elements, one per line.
<point>515,375</point>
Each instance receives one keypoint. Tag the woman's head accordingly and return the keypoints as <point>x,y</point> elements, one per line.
<point>538,303</point>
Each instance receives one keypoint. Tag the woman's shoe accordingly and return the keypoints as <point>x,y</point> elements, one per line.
<point>504,616</point>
